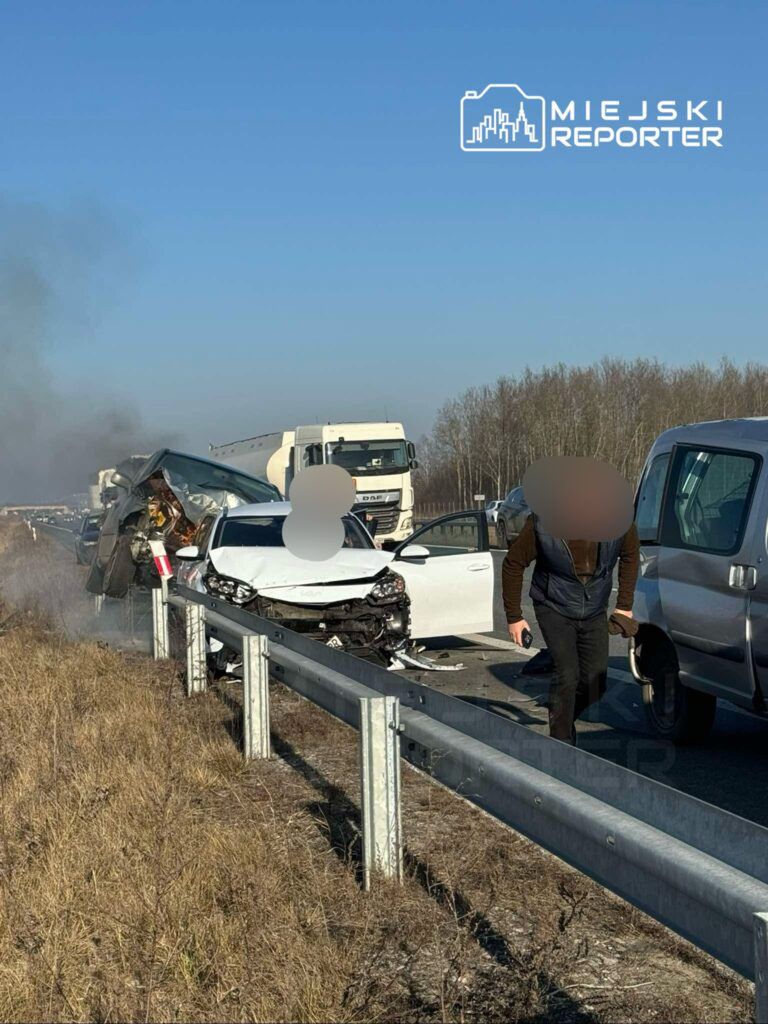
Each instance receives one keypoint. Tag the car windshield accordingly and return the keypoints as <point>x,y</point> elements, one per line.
<point>205,477</point>
<point>267,532</point>
<point>368,458</point>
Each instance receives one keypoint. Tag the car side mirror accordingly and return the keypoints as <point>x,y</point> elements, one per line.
<point>120,480</point>
<point>414,551</point>
<point>188,554</point>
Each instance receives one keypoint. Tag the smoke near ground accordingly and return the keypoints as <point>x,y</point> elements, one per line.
<point>39,576</point>
<point>56,271</point>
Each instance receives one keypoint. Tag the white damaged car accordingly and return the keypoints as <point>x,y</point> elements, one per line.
<point>369,602</point>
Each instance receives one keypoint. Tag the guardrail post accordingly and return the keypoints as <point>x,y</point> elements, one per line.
<point>98,604</point>
<point>761,967</point>
<point>255,697</point>
<point>160,645</point>
<point>380,787</point>
<point>197,676</point>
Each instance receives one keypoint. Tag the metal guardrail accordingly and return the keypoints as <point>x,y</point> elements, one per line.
<point>697,869</point>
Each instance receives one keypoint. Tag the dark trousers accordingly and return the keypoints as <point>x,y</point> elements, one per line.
<point>579,649</point>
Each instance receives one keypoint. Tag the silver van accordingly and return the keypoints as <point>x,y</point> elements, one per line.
<point>702,595</point>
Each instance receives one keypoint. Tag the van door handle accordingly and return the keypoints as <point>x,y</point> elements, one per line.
<point>742,577</point>
<point>479,567</point>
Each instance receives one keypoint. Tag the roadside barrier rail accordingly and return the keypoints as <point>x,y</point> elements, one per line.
<point>699,870</point>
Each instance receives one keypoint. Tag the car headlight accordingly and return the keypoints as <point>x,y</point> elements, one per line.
<point>389,586</point>
<point>231,590</point>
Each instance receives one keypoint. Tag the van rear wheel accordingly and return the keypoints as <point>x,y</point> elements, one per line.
<point>674,711</point>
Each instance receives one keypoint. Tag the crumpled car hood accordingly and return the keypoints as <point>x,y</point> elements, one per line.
<point>267,568</point>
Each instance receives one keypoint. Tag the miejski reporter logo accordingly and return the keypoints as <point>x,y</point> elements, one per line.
<point>504,119</point>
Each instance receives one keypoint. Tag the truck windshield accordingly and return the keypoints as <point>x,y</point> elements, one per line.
<point>369,458</point>
<point>267,532</point>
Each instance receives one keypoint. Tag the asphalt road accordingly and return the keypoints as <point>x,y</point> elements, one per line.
<point>729,769</point>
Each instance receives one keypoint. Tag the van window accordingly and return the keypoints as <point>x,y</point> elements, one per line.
<point>649,498</point>
<point>709,496</point>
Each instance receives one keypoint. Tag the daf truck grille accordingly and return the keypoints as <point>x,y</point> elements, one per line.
<point>386,516</point>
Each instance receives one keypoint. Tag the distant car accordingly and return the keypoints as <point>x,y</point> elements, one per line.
<point>492,511</point>
<point>86,539</point>
<point>511,515</point>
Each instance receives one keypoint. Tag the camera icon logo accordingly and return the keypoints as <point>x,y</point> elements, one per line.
<point>502,119</point>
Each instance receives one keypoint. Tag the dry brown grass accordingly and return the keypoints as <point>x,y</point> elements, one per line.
<point>146,873</point>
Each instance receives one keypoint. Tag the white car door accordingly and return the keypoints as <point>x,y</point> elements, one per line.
<point>451,590</point>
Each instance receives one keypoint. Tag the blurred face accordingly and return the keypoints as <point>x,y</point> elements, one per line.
<point>577,497</point>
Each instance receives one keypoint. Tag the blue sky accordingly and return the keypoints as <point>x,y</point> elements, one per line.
<point>300,236</point>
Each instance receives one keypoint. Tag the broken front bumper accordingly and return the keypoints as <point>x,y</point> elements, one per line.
<point>359,626</point>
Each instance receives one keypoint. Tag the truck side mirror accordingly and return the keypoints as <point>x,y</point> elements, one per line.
<point>414,463</point>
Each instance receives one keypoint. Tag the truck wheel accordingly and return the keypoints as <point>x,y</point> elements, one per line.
<point>501,533</point>
<point>120,570</point>
<point>675,712</point>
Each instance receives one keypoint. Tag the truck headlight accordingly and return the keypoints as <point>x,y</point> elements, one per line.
<point>407,523</point>
<point>231,590</point>
<point>389,586</point>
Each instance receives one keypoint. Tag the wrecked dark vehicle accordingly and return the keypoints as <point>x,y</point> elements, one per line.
<point>165,499</point>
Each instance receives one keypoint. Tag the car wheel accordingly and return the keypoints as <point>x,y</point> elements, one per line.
<point>120,570</point>
<point>675,712</point>
<point>501,533</point>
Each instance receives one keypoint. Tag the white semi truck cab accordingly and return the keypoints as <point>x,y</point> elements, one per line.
<point>376,455</point>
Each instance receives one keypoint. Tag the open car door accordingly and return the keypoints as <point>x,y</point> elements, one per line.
<point>449,576</point>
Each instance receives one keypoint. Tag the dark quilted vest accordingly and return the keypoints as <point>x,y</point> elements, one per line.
<point>556,584</point>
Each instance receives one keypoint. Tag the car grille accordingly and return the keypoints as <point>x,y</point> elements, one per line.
<point>386,516</point>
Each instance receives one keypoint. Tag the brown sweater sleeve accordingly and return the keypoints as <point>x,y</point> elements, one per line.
<point>521,553</point>
<point>629,565</point>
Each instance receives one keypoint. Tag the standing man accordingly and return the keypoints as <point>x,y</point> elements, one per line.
<point>573,578</point>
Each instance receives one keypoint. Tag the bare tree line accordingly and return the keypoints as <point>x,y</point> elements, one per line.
<point>483,441</point>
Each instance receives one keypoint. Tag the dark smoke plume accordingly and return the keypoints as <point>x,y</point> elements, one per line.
<point>54,267</point>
